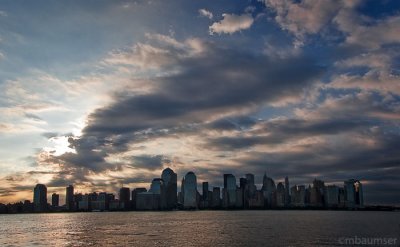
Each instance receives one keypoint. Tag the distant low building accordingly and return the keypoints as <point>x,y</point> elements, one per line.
<point>332,196</point>
<point>148,201</point>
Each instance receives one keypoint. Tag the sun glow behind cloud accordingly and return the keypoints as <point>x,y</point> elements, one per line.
<point>284,86</point>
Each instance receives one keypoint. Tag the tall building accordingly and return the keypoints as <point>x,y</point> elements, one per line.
<point>280,195</point>
<point>243,186</point>
<point>317,193</point>
<point>205,190</point>
<point>135,192</point>
<point>353,193</point>
<point>40,197</point>
<point>332,196</point>
<point>298,195</point>
<point>124,198</point>
<point>69,198</point>
<point>55,200</point>
<point>171,188</point>
<point>216,197</point>
<point>269,191</point>
<point>359,194</point>
<point>190,191</point>
<point>229,192</point>
<point>251,187</point>
<point>287,195</point>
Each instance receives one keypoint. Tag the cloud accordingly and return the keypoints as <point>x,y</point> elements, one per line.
<point>366,32</point>
<point>149,162</point>
<point>206,13</point>
<point>231,23</point>
<point>303,17</point>
<point>213,90</point>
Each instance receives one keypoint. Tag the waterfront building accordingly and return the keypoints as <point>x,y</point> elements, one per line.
<point>287,195</point>
<point>170,187</point>
<point>332,196</point>
<point>124,198</point>
<point>257,201</point>
<point>205,199</point>
<point>85,203</point>
<point>251,187</point>
<point>280,195</point>
<point>135,192</point>
<point>269,191</point>
<point>229,191</point>
<point>239,198</point>
<point>298,195</point>
<point>55,200</point>
<point>353,194</point>
<point>148,201</point>
<point>190,191</point>
<point>69,198</point>
<point>216,197</point>
<point>317,193</point>
<point>40,198</point>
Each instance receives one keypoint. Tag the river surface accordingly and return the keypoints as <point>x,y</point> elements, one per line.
<point>199,228</point>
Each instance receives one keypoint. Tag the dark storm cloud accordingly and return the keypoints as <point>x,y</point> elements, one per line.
<point>218,81</point>
<point>284,130</point>
<point>149,162</point>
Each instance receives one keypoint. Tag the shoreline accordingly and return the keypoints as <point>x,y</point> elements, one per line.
<point>369,209</point>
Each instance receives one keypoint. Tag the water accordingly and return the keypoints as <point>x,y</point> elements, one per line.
<point>196,228</point>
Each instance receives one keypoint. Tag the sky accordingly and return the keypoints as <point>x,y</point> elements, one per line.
<point>107,93</point>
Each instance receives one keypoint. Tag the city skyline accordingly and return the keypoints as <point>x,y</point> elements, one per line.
<point>101,94</point>
<point>241,193</point>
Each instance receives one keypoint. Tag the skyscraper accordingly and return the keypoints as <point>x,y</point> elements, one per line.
<point>332,196</point>
<point>124,198</point>
<point>216,197</point>
<point>353,193</point>
<point>287,195</point>
<point>55,200</point>
<point>317,193</point>
<point>229,193</point>
<point>280,195</point>
<point>251,187</point>
<point>205,190</point>
<point>40,197</point>
<point>190,191</point>
<point>171,188</point>
<point>69,198</point>
<point>269,191</point>
<point>135,192</point>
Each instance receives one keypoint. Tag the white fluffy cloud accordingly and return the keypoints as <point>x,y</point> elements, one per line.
<point>206,13</point>
<point>232,23</point>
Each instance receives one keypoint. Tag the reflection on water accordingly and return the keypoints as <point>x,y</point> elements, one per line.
<point>195,228</point>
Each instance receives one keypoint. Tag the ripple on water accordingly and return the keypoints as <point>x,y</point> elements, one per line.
<point>195,228</point>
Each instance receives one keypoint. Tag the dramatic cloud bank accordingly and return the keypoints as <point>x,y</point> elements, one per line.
<point>306,89</point>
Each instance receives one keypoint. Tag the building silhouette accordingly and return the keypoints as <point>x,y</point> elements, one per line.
<point>229,191</point>
<point>190,191</point>
<point>40,198</point>
<point>353,194</point>
<point>170,188</point>
<point>55,200</point>
<point>69,198</point>
<point>124,198</point>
